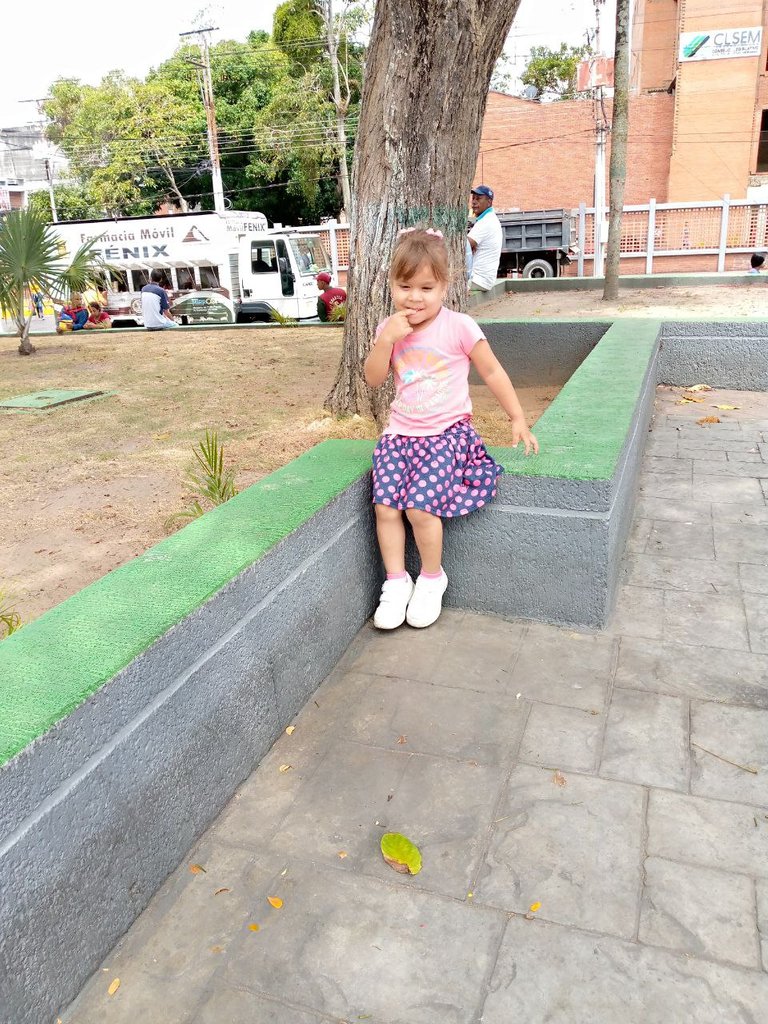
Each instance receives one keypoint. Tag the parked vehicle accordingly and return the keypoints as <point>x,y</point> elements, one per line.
<point>537,243</point>
<point>219,268</point>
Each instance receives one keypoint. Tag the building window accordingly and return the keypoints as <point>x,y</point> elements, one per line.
<point>762,148</point>
<point>209,277</point>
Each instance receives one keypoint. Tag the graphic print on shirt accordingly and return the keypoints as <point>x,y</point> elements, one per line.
<point>424,374</point>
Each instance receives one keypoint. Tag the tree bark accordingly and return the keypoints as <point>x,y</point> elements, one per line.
<point>619,136</point>
<point>427,73</point>
<point>342,106</point>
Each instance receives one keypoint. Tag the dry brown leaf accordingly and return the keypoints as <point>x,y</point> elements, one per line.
<point>699,387</point>
<point>726,408</point>
<point>290,729</point>
<point>197,869</point>
<point>217,949</point>
<point>342,854</point>
<point>559,779</point>
<point>220,891</point>
<point>708,419</point>
<point>687,400</point>
<point>402,739</point>
<point>113,987</point>
<point>254,927</point>
<point>285,768</point>
<point>275,901</point>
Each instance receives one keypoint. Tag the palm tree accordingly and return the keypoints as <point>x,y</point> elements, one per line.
<point>31,254</point>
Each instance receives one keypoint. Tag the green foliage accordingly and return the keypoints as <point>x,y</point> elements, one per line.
<point>297,29</point>
<point>554,72</point>
<point>209,482</point>
<point>73,202</point>
<point>31,253</point>
<point>10,620</point>
<point>282,320</point>
<point>400,853</point>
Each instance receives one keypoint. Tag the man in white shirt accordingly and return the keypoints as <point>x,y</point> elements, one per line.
<point>155,307</point>
<point>485,239</point>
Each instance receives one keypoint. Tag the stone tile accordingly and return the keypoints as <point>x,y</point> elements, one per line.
<point>738,734</point>
<point>557,666</point>
<point>672,465</point>
<point>639,611</point>
<point>562,737</point>
<point>479,654</point>
<point>648,507</point>
<point>437,720</point>
<point>762,918</point>
<point>715,454</point>
<point>749,456</point>
<point>739,543</point>
<point>705,619</point>
<point>668,573</point>
<point>259,805</point>
<point>704,672</point>
<point>646,740</point>
<point>701,438</point>
<point>574,848</point>
<point>681,540</point>
<point>356,948</point>
<point>141,997</point>
<point>239,1006</point>
<point>756,607</point>
<point>665,485</point>
<point>744,515</point>
<point>709,467</point>
<point>386,653</point>
<point>639,533</point>
<point>753,578</point>
<point>733,490</point>
<point>700,912</point>
<point>712,833</point>
<point>359,793</point>
<point>546,974</point>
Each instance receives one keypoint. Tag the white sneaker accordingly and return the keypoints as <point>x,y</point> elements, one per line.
<point>395,595</point>
<point>427,602</point>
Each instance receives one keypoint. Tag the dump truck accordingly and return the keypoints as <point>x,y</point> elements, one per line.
<point>537,243</point>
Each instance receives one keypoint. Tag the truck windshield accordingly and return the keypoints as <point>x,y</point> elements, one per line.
<point>311,254</point>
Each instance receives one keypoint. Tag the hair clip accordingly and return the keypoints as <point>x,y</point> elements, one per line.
<point>435,232</point>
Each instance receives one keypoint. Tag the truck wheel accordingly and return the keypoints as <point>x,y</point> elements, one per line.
<point>538,268</point>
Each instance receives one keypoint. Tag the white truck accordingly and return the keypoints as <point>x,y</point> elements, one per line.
<point>217,268</point>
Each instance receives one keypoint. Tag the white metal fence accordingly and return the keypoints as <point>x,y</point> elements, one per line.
<point>679,229</point>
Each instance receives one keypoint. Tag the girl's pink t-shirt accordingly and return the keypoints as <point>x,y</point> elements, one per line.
<point>431,369</point>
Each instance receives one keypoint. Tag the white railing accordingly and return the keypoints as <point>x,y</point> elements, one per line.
<point>680,229</point>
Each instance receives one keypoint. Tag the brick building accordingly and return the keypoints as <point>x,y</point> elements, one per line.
<point>698,116</point>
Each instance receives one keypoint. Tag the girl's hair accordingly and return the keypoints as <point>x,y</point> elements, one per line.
<point>415,248</point>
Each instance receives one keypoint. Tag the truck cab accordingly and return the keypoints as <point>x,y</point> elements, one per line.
<point>276,272</point>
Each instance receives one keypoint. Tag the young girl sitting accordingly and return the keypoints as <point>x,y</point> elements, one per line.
<point>429,463</point>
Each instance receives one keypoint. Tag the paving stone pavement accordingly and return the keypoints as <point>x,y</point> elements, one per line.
<point>618,779</point>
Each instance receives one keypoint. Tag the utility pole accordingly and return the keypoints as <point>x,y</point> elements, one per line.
<point>601,139</point>
<point>49,179</point>
<point>210,115</point>
<point>619,143</point>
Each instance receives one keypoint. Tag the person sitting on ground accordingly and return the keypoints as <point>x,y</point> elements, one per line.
<point>329,297</point>
<point>98,319</point>
<point>756,262</point>
<point>74,316</point>
<point>155,307</point>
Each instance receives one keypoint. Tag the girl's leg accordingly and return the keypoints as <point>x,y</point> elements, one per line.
<point>390,530</point>
<point>428,534</point>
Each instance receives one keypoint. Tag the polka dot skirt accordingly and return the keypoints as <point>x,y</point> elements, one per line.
<point>449,474</point>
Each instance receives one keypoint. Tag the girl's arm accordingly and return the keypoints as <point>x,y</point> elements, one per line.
<point>495,376</point>
<point>376,367</point>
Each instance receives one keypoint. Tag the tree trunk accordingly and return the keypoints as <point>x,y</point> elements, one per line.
<point>426,85</point>
<point>619,136</point>
<point>26,348</point>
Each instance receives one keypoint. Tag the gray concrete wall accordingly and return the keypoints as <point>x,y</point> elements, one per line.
<point>721,353</point>
<point>536,352</point>
<point>99,810</point>
<point>632,281</point>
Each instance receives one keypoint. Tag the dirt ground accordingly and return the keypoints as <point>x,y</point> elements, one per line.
<point>656,303</point>
<point>86,487</point>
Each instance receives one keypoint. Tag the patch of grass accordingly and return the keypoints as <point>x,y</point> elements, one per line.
<point>10,620</point>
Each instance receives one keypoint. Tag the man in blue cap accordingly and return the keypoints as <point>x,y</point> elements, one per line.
<point>485,239</point>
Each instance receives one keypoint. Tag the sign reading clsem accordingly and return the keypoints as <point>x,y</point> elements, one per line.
<point>721,43</point>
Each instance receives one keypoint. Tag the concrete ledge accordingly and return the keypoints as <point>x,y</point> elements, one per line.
<point>632,281</point>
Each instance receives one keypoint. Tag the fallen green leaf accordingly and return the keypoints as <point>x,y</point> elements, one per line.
<point>400,853</point>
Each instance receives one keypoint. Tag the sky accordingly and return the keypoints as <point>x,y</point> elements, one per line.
<point>85,40</point>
